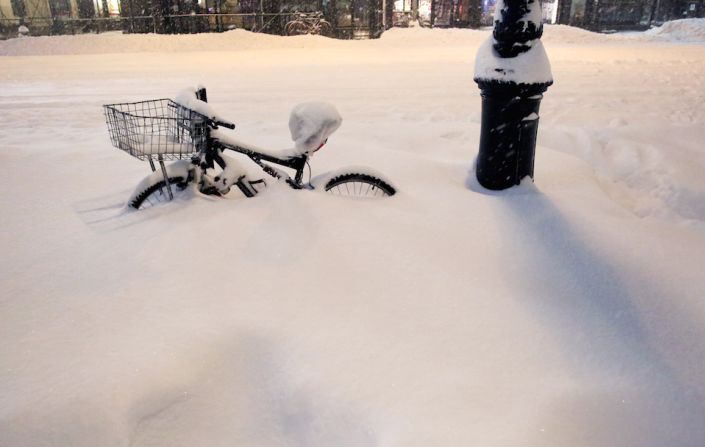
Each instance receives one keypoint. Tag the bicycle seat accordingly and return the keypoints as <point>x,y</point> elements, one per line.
<point>311,123</point>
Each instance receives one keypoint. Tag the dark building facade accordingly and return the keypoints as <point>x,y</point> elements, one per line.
<point>346,19</point>
<point>605,15</point>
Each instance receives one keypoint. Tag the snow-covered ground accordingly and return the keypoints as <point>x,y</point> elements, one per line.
<point>565,313</point>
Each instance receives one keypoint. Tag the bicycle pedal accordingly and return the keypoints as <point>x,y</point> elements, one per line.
<point>261,183</point>
<point>211,191</point>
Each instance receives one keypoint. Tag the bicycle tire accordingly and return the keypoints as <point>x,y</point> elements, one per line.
<point>325,28</point>
<point>155,194</point>
<point>296,28</point>
<point>152,189</point>
<point>356,184</point>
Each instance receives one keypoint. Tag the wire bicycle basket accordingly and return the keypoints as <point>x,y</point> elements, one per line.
<point>159,129</point>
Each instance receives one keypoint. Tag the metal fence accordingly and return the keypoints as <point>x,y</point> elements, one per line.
<point>271,23</point>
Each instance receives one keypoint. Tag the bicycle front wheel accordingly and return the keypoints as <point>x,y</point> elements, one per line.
<point>355,184</point>
<point>153,190</point>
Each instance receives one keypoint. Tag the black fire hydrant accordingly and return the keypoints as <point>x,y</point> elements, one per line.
<point>513,72</point>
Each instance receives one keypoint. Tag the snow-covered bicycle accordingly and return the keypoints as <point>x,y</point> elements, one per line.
<point>308,23</point>
<point>188,131</point>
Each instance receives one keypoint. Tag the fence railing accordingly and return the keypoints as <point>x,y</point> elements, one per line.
<point>271,23</point>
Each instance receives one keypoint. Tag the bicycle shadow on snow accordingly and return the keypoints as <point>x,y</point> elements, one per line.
<point>575,292</point>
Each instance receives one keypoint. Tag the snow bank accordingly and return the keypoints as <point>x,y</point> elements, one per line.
<point>565,34</point>
<point>419,36</point>
<point>685,30</point>
<point>241,40</point>
<point>116,42</point>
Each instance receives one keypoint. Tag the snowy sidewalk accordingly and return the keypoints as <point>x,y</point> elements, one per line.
<point>569,312</point>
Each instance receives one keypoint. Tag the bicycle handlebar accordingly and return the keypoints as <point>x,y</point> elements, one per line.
<point>217,123</point>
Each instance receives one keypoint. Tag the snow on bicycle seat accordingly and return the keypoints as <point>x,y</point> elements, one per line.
<point>311,123</point>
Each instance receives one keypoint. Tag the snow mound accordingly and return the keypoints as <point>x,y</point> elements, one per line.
<point>571,34</point>
<point>684,30</point>
<point>241,40</point>
<point>639,177</point>
<point>116,42</point>
<point>427,36</point>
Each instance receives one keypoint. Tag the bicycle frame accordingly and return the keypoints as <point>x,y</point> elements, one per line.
<point>296,163</point>
<point>211,153</point>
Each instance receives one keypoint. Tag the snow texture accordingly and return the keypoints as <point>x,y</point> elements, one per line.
<point>176,169</point>
<point>155,144</point>
<point>228,137</point>
<point>243,41</point>
<point>187,98</point>
<point>530,67</point>
<point>685,30</point>
<point>568,312</point>
<point>311,124</point>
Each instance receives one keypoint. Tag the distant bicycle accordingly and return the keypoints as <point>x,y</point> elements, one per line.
<point>187,130</point>
<point>308,23</point>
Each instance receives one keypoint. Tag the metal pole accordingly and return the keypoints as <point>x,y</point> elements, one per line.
<point>261,16</point>
<point>154,169</point>
<point>132,17</point>
<point>166,177</point>
<point>510,96</point>
<point>653,11</point>
<point>218,18</point>
<point>433,13</point>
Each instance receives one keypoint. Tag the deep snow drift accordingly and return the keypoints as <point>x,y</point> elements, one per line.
<point>685,30</point>
<point>565,313</point>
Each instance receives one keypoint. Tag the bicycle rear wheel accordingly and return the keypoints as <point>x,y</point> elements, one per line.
<point>325,28</point>
<point>296,28</point>
<point>355,184</point>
